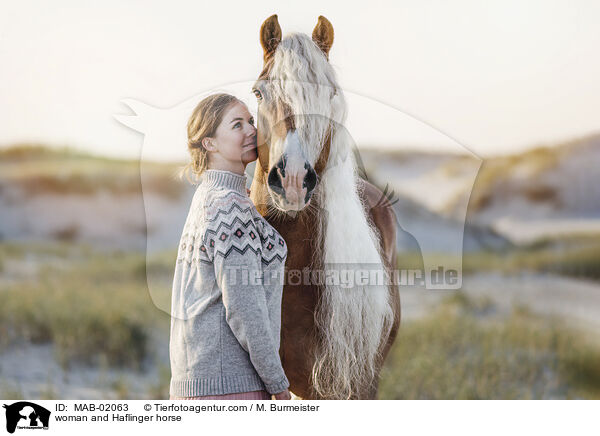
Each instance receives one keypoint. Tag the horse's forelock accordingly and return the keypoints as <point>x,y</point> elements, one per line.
<point>303,83</point>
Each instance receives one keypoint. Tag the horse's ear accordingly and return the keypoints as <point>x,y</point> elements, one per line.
<point>270,35</point>
<point>323,35</point>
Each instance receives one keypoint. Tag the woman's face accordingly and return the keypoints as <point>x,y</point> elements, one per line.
<point>235,138</point>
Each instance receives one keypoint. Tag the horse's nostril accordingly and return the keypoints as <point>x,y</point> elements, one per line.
<point>310,180</point>
<point>275,181</point>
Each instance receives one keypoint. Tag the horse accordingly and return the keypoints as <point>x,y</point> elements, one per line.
<point>335,337</point>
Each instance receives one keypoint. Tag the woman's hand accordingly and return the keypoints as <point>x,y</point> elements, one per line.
<point>285,395</point>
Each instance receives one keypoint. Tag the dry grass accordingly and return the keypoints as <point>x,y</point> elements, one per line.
<point>38,170</point>
<point>572,256</point>
<point>97,309</point>
<point>456,353</point>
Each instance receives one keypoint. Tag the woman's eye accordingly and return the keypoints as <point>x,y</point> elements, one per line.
<point>257,94</point>
<point>238,124</point>
<point>251,121</point>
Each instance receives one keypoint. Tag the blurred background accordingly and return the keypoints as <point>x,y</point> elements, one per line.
<point>477,117</point>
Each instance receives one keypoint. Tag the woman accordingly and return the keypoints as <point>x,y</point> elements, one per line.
<point>226,318</point>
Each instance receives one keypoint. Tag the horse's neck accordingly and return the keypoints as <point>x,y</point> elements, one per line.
<point>258,190</point>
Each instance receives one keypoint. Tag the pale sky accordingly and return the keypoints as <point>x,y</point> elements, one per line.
<point>497,77</point>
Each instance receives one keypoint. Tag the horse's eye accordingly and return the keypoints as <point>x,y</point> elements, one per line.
<point>257,94</point>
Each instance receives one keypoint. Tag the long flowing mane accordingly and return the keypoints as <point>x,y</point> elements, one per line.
<point>351,320</point>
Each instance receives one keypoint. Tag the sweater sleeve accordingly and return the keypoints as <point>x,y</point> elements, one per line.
<point>234,246</point>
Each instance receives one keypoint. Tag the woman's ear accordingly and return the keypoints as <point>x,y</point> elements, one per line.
<point>207,143</point>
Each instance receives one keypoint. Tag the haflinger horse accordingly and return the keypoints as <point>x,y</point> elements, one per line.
<point>335,336</point>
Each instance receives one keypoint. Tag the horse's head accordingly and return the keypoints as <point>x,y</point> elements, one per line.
<point>299,101</point>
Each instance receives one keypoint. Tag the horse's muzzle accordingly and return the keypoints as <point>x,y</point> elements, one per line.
<point>292,184</point>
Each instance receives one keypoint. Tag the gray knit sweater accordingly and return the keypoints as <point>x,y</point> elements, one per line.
<point>227,289</point>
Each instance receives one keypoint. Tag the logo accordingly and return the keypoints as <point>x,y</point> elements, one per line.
<point>26,415</point>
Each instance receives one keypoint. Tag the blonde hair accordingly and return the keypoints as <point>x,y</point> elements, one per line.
<point>203,123</point>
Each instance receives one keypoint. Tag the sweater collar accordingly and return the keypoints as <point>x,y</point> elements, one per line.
<point>213,178</point>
